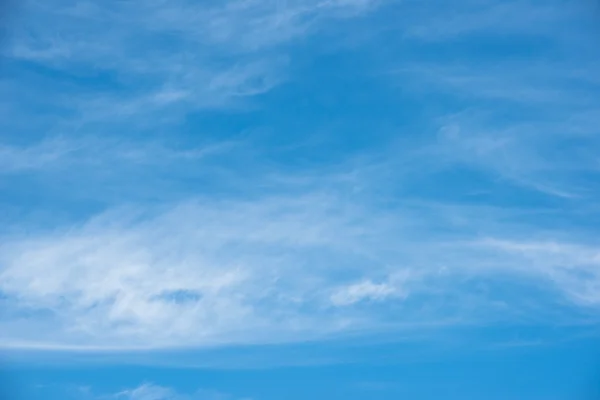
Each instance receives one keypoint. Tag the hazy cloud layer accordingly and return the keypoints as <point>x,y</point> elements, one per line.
<point>192,174</point>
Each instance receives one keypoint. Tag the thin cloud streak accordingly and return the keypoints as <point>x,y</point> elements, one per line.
<point>203,56</point>
<point>524,113</point>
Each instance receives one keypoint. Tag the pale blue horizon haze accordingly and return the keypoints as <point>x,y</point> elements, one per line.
<point>293,199</point>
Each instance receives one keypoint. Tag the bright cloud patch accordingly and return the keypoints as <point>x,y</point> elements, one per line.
<point>212,273</point>
<point>365,290</point>
<point>150,391</point>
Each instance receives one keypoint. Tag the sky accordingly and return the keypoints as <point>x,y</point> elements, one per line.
<point>292,199</point>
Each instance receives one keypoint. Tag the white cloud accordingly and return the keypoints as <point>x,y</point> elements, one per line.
<point>493,18</point>
<point>225,272</point>
<point>526,122</point>
<point>150,391</point>
<point>222,271</point>
<point>574,268</point>
<point>523,109</point>
<point>60,153</point>
<point>365,290</point>
<point>38,156</point>
<point>543,154</point>
<point>289,261</point>
<point>170,56</point>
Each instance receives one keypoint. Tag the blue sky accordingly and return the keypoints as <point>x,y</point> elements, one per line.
<point>285,199</point>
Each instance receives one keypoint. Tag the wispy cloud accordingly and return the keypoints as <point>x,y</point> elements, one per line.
<point>206,273</point>
<point>170,56</point>
<point>150,391</point>
<point>364,291</point>
<point>63,153</point>
<point>525,112</point>
<point>491,19</point>
<point>574,267</point>
<point>204,242</point>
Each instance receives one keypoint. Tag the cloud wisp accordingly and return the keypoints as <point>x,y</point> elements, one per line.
<point>123,61</point>
<point>525,112</point>
<point>151,391</point>
<point>279,269</point>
